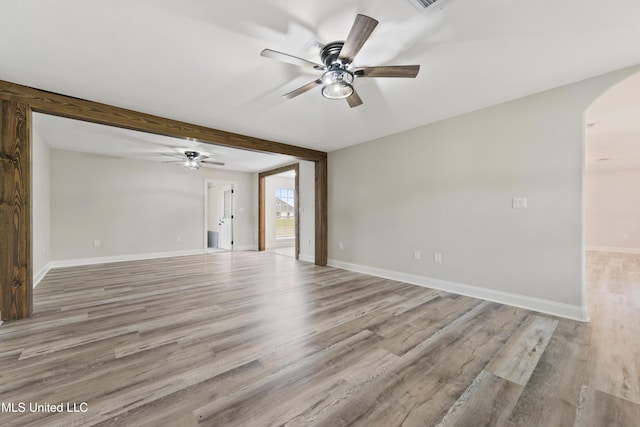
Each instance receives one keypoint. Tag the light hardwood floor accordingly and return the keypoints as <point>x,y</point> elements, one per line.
<point>258,339</point>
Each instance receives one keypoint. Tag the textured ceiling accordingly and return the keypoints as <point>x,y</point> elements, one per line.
<point>199,61</point>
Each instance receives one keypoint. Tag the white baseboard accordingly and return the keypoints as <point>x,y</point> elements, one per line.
<point>307,258</point>
<point>120,258</point>
<point>37,278</point>
<point>283,243</point>
<point>567,311</point>
<point>614,249</point>
<point>246,248</point>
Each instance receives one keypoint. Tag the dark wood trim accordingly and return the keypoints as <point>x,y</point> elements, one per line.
<point>15,210</point>
<point>322,245</point>
<point>262,178</point>
<point>80,109</point>
<point>276,171</point>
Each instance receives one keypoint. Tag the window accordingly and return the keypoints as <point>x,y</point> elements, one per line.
<point>285,213</point>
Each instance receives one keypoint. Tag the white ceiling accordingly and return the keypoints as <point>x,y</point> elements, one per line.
<point>199,60</point>
<point>75,135</point>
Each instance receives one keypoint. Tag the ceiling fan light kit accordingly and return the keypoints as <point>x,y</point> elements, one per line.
<point>192,159</point>
<point>338,73</point>
<point>338,83</point>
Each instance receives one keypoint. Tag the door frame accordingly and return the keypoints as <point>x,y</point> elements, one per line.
<point>262,179</point>
<point>216,182</point>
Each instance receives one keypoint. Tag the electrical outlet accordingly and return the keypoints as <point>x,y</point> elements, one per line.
<point>96,243</point>
<point>417,255</point>
<point>340,245</point>
<point>178,238</point>
<point>437,257</point>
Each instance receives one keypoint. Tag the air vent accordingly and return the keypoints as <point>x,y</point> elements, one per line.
<point>430,5</point>
<point>427,3</point>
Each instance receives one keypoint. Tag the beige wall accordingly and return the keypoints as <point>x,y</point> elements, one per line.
<point>448,188</point>
<point>306,205</point>
<point>41,214</point>
<point>135,207</point>
<point>613,210</point>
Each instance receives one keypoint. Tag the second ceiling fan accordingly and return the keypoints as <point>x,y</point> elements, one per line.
<point>192,159</point>
<point>338,71</point>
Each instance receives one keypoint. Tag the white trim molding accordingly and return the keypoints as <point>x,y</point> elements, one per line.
<point>614,249</point>
<point>245,248</point>
<point>307,258</point>
<point>120,258</point>
<point>567,311</point>
<point>37,278</point>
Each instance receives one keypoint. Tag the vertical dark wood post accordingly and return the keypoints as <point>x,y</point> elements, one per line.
<point>321,252</point>
<point>15,210</point>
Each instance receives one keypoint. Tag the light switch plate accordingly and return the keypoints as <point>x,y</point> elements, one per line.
<point>519,203</point>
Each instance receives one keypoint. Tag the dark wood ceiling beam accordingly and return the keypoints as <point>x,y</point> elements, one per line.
<point>80,109</point>
<point>281,169</point>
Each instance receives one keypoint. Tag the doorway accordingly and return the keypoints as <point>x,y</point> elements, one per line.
<point>219,216</point>
<point>279,222</point>
<point>612,169</point>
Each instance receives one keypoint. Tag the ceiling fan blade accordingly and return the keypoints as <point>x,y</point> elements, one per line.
<point>409,71</point>
<point>354,100</point>
<point>360,32</point>
<point>174,161</point>
<point>302,89</point>
<point>209,162</point>
<point>290,59</point>
<point>177,156</point>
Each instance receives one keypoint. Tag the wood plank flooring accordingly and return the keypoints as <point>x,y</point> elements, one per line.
<point>259,339</point>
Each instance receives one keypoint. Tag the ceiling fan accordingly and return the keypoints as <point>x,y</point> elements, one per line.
<point>192,159</point>
<point>338,71</point>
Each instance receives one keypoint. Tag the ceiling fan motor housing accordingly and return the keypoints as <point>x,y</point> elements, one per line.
<point>330,54</point>
<point>337,80</point>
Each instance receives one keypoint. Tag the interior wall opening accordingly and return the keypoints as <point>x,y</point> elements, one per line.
<point>611,202</point>
<point>219,216</point>
<point>279,213</point>
<point>106,194</point>
<point>281,221</point>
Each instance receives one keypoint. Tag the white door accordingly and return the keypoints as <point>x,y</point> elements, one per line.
<point>225,215</point>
